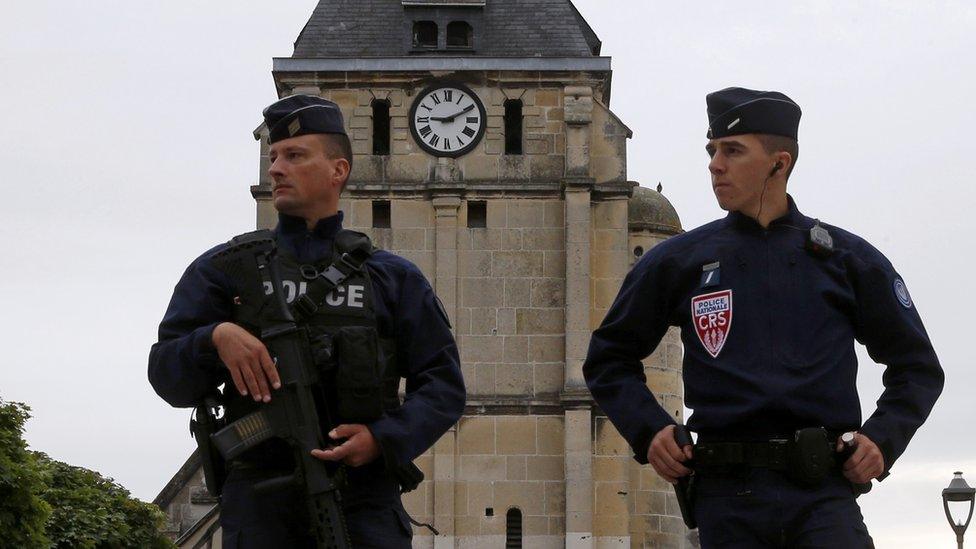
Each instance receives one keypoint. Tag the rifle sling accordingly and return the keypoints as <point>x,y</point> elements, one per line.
<point>321,283</point>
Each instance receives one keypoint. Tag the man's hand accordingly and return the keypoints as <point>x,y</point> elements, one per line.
<point>866,463</point>
<point>360,448</point>
<point>247,359</point>
<point>667,457</point>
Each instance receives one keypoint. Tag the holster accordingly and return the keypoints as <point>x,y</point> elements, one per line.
<point>685,489</point>
<point>203,424</point>
<point>810,456</point>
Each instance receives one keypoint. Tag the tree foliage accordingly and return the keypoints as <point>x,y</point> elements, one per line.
<point>93,512</point>
<point>65,506</point>
<point>22,511</point>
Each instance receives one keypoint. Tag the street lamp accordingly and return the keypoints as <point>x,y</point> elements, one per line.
<point>958,490</point>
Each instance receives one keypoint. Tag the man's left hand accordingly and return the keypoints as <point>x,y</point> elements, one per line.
<point>866,463</point>
<point>360,448</point>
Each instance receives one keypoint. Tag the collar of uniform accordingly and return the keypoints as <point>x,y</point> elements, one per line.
<point>793,217</point>
<point>326,227</point>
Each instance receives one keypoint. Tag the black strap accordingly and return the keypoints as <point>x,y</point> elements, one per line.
<point>423,525</point>
<point>773,454</point>
<point>354,251</point>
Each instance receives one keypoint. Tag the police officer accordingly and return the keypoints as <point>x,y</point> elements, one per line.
<point>769,303</point>
<point>200,348</point>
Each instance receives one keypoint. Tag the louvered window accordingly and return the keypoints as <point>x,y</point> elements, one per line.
<point>513,126</point>
<point>381,127</point>
<point>425,34</point>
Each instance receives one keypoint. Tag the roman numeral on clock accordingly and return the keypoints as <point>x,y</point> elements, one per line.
<point>447,143</point>
<point>468,131</point>
<point>423,120</point>
<point>425,131</point>
<point>448,95</point>
<point>472,120</point>
<point>434,139</point>
<point>436,100</point>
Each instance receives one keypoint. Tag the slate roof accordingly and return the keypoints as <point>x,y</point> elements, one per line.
<point>512,28</point>
<point>443,2</point>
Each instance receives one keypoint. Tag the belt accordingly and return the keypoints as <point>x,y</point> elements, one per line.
<point>771,454</point>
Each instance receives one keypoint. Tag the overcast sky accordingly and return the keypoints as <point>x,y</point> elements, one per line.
<point>127,152</point>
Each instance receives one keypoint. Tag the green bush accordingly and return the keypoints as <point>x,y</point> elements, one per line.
<point>47,503</point>
<point>22,511</point>
<point>93,512</point>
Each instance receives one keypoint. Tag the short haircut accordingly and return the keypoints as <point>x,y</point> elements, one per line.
<point>776,143</point>
<point>337,146</point>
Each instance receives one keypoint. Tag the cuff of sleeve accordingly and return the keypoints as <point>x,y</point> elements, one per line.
<point>643,440</point>
<point>380,431</point>
<point>877,436</point>
<point>203,346</point>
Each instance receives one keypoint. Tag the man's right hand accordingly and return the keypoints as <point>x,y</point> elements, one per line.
<point>247,359</point>
<point>667,457</point>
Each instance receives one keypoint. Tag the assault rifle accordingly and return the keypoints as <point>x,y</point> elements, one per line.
<point>250,262</point>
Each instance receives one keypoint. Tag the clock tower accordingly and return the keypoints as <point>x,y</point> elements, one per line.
<point>485,151</point>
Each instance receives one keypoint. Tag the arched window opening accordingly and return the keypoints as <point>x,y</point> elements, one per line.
<point>513,126</point>
<point>513,529</point>
<point>424,34</point>
<point>460,35</point>
<point>381,127</point>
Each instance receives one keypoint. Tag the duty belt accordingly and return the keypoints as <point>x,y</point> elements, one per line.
<point>772,454</point>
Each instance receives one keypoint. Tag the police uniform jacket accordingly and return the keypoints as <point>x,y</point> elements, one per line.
<point>184,366</point>
<point>768,330</point>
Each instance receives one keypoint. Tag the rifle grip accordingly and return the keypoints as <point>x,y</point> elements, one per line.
<point>682,436</point>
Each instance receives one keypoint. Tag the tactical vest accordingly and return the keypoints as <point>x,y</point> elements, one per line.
<point>357,369</point>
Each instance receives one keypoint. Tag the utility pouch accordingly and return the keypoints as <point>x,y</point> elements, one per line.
<point>323,352</point>
<point>359,384</point>
<point>203,425</point>
<point>810,456</point>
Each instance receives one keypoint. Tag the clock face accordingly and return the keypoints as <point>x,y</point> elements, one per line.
<point>447,120</point>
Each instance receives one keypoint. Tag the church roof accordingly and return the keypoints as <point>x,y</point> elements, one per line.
<point>509,28</point>
<point>649,210</point>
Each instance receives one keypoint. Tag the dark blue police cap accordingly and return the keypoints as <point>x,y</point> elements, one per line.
<point>301,115</point>
<point>735,111</point>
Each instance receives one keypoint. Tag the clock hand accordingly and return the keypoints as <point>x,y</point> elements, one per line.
<point>453,116</point>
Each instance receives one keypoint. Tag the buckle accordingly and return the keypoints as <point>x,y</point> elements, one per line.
<point>347,261</point>
<point>333,275</point>
<point>309,272</point>
<point>304,306</point>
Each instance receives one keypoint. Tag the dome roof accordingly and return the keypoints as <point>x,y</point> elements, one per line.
<point>648,210</point>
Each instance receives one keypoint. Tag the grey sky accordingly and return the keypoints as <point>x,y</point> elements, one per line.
<point>127,152</point>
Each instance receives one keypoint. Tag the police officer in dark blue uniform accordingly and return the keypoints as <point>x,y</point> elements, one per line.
<point>200,348</point>
<point>769,303</point>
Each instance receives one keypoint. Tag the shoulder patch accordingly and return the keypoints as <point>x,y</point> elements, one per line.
<point>901,292</point>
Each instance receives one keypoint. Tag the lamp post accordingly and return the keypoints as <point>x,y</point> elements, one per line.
<point>958,490</point>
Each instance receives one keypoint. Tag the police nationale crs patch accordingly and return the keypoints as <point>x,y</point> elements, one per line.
<point>712,315</point>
